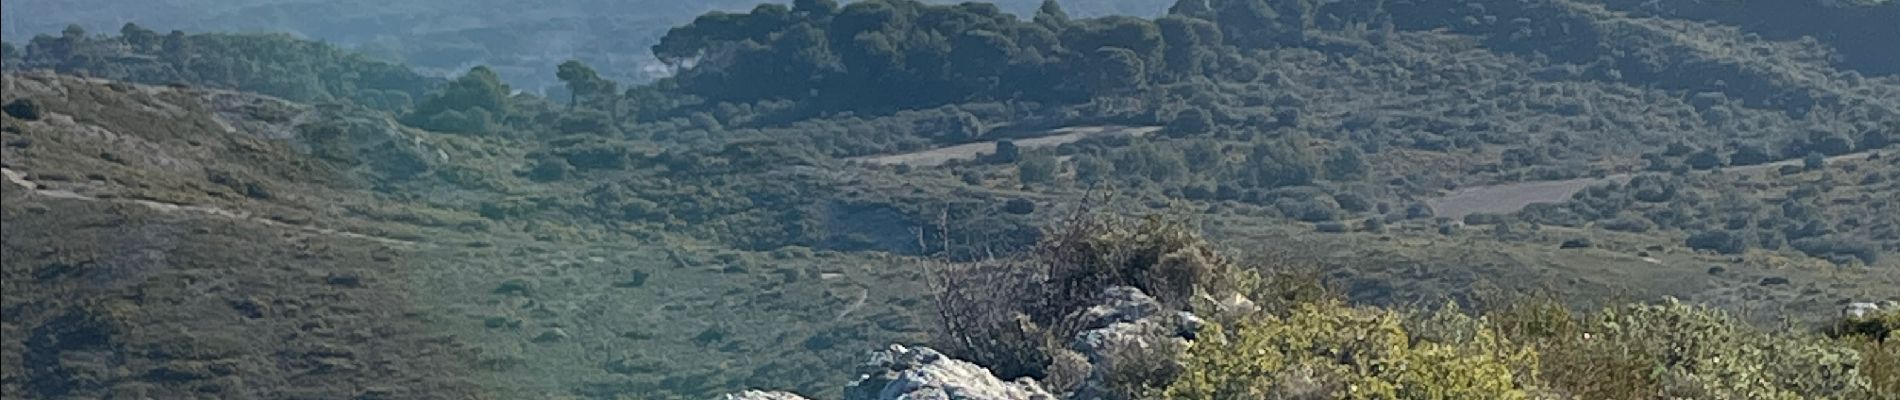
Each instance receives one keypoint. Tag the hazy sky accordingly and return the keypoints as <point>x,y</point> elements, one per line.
<point>23,18</point>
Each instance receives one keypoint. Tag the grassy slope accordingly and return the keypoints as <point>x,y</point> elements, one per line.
<point>128,301</point>
<point>479,301</point>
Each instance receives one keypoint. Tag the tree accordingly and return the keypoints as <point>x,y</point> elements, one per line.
<point>1839,250</point>
<point>1036,169</point>
<point>1704,159</point>
<point>580,79</point>
<point>1115,69</point>
<point>1202,9</point>
<point>957,125</point>
<point>1051,15</point>
<point>1154,162</point>
<point>814,7</point>
<point>1751,154</point>
<point>9,56</point>
<point>1193,121</point>
<point>1717,240</point>
<point>1189,45</point>
<point>470,121</point>
<point>139,37</point>
<point>1653,188</point>
<point>73,34</point>
<point>1280,163</point>
<point>1830,143</point>
<point>586,88</point>
<point>177,48</point>
<point>23,108</point>
<point>1814,162</point>
<point>1203,155</point>
<point>1879,137</point>
<point>1346,164</point>
<point>1006,152</point>
<point>469,104</point>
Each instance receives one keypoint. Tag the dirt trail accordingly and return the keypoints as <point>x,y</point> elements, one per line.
<point>970,151</point>
<point>1512,197</point>
<point>37,189</point>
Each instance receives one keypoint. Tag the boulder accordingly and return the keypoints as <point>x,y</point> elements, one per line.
<point>904,373</point>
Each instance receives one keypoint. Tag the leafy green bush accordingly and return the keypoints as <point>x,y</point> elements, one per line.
<point>1839,249</point>
<point>1036,169</point>
<point>595,155</point>
<point>1702,353</point>
<point>1719,241</point>
<point>549,169</point>
<point>1298,344</point>
<point>1190,122</point>
<point>1329,350</point>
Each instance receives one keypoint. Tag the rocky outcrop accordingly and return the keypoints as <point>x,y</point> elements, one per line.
<point>1129,326</point>
<point>1862,309</point>
<point>919,373</point>
<point>761,395</point>
<point>1857,310</point>
<point>905,373</point>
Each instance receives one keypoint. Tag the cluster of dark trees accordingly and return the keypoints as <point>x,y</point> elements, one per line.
<point>1860,29</point>
<point>882,55</point>
<point>273,64</point>
<point>1245,88</point>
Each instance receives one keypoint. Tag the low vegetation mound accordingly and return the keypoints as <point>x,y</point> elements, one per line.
<point>1294,340</point>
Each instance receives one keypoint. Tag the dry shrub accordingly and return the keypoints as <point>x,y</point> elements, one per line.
<point>987,310</point>
<point>1014,315</point>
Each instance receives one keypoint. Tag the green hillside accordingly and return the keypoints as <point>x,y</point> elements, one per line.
<point>1549,199</point>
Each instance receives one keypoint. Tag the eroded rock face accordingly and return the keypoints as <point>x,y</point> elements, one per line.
<point>1129,326</point>
<point>1858,310</point>
<point>762,395</point>
<point>904,373</point>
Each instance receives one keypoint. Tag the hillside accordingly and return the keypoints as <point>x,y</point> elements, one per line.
<point>442,38</point>
<point>246,215</point>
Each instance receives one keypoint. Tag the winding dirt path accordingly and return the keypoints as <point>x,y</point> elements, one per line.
<point>1512,197</point>
<point>970,151</point>
<point>40,190</point>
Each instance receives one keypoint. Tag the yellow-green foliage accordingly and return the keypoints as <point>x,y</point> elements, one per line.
<point>1697,352</point>
<point>1879,353</point>
<point>1285,340</point>
<point>1880,363</point>
<point>1675,350</point>
<point>1328,350</point>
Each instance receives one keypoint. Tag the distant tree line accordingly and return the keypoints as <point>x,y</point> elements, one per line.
<point>273,64</point>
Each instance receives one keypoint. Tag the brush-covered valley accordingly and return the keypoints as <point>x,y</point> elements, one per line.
<point>895,199</point>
